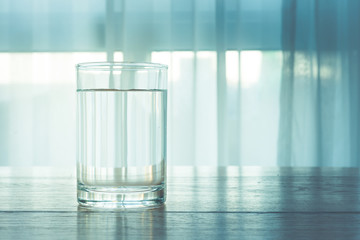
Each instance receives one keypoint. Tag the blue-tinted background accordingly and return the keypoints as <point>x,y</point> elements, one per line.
<point>251,82</point>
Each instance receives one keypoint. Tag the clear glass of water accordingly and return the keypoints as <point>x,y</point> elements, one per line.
<point>121,134</point>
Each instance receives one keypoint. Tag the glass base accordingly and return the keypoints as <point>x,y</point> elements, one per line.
<point>124,197</point>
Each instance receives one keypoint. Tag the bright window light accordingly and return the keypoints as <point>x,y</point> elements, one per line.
<point>118,56</point>
<point>43,67</point>
<point>207,55</point>
<point>161,57</point>
<point>232,68</point>
<point>178,60</point>
<point>88,57</point>
<point>250,68</point>
<point>4,68</point>
<point>175,60</point>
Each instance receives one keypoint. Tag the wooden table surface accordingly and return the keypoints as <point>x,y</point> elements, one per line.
<point>202,203</point>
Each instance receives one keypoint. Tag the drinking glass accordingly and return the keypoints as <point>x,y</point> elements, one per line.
<point>121,134</point>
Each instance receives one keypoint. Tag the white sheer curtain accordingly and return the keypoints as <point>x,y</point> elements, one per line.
<point>319,120</point>
<point>225,78</point>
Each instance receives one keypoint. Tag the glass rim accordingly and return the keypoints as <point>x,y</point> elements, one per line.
<point>119,66</point>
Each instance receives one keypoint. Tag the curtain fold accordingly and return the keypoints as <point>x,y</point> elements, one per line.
<point>251,82</point>
<point>319,99</point>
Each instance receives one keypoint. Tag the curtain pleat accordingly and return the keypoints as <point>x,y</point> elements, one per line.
<point>251,82</point>
<point>319,93</point>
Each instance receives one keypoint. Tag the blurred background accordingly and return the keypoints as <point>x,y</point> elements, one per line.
<point>251,82</point>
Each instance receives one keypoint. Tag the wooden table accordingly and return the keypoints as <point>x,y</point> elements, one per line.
<point>203,203</point>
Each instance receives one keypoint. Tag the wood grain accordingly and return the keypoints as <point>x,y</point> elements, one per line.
<point>177,225</point>
<point>203,203</point>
